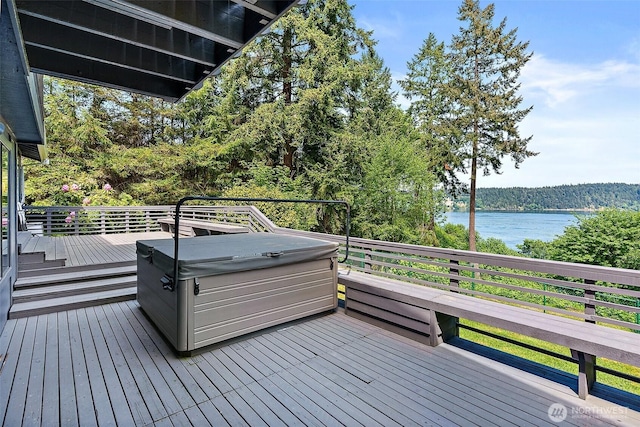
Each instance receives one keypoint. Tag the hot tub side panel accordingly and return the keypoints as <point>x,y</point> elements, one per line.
<point>234,304</point>
<point>160,305</point>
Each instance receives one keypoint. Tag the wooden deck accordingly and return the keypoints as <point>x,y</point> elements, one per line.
<point>107,365</point>
<point>105,248</point>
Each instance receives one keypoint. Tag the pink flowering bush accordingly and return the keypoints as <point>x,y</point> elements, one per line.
<point>107,187</point>
<point>65,188</point>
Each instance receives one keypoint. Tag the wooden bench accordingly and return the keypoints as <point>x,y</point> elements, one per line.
<point>190,227</point>
<point>433,315</point>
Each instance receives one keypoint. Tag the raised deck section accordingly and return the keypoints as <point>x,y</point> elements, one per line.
<point>108,365</point>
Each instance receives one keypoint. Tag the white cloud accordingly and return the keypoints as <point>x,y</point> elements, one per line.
<point>389,28</point>
<point>556,82</point>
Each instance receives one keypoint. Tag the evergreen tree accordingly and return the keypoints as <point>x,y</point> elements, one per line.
<point>486,62</point>
<point>427,87</point>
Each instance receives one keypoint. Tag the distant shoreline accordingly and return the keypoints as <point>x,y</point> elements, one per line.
<point>577,210</point>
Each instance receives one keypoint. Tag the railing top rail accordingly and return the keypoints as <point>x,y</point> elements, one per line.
<point>579,271</point>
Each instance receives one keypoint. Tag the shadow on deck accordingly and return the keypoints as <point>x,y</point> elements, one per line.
<point>108,365</point>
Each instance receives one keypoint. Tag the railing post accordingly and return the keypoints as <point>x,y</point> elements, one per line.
<point>126,221</point>
<point>587,362</point>
<point>103,222</point>
<point>590,304</point>
<point>147,221</point>
<point>47,226</point>
<point>367,265</point>
<point>454,282</point>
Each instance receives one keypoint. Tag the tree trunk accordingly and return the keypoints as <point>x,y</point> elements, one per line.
<point>472,198</point>
<point>474,164</point>
<point>287,93</point>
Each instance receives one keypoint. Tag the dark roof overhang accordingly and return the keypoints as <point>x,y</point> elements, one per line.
<point>161,48</point>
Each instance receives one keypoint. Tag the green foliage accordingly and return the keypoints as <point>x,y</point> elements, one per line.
<point>455,236</point>
<point>495,246</point>
<point>611,238</point>
<point>534,248</point>
<point>427,86</point>
<point>397,200</point>
<point>275,183</point>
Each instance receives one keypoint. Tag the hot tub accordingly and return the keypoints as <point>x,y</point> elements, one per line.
<point>229,285</point>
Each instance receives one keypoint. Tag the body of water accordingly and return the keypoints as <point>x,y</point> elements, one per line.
<point>513,227</point>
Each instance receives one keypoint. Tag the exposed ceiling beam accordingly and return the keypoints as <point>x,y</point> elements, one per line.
<point>83,16</point>
<point>78,43</point>
<point>214,20</point>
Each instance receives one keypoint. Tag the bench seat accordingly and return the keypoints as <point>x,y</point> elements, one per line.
<point>433,313</point>
<point>191,227</point>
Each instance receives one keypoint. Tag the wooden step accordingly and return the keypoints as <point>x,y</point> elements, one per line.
<point>31,258</point>
<point>53,305</point>
<point>73,269</point>
<point>38,293</point>
<point>74,276</point>
<point>44,265</point>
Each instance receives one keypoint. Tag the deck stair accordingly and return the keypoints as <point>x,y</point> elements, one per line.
<point>68,288</point>
<point>40,252</point>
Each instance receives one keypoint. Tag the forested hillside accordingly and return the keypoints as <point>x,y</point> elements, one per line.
<point>581,196</point>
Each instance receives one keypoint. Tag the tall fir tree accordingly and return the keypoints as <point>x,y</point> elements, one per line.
<point>427,86</point>
<point>487,62</point>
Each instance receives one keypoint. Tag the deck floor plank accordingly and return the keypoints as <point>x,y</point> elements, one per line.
<point>265,412</point>
<point>285,414</point>
<point>97,379</point>
<point>68,401</point>
<point>495,388</point>
<point>447,389</point>
<point>84,400</point>
<point>35,392</point>
<point>135,401</point>
<point>154,343</point>
<point>291,396</point>
<point>352,404</point>
<point>211,414</point>
<point>438,394</point>
<point>146,388</point>
<point>51,390</point>
<point>9,345</point>
<point>118,401</point>
<point>228,378</point>
<point>255,369</point>
<point>157,377</point>
<point>373,397</point>
<point>87,365</point>
<point>232,417</point>
<point>249,413</point>
<point>18,394</point>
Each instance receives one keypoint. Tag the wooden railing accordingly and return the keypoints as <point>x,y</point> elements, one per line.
<point>597,294</point>
<point>603,295</point>
<point>79,220</point>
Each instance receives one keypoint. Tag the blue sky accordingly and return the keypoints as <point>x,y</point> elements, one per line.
<point>583,80</point>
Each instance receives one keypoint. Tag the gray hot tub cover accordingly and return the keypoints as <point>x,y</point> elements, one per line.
<point>212,255</point>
